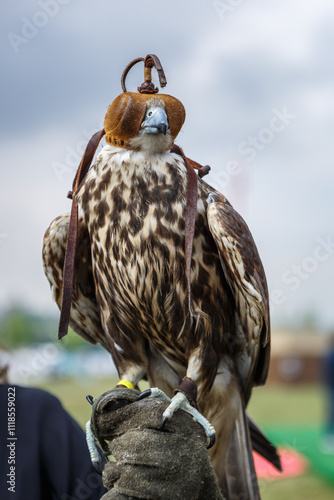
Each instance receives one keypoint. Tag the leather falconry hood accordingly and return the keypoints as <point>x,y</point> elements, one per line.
<point>122,123</point>
<point>126,113</point>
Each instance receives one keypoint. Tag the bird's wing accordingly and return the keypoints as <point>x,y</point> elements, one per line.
<point>244,273</point>
<point>85,313</point>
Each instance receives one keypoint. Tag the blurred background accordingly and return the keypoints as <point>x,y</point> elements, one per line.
<point>256,78</point>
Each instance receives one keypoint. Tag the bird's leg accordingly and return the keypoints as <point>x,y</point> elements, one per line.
<point>130,359</point>
<point>131,376</point>
<point>185,399</point>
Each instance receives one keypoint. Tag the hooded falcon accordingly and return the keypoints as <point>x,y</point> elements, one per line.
<point>200,335</point>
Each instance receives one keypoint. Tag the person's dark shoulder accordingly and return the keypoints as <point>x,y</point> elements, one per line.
<point>31,396</point>
<point>329,357</point>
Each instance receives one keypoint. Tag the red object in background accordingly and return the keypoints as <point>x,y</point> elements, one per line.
<point>293,464</point>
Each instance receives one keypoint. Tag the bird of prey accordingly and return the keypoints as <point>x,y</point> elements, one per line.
<point>131,287</point>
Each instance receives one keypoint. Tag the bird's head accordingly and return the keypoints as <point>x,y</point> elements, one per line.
<point>155,120</point>
<point>143,122</point>
<point>154,135</point>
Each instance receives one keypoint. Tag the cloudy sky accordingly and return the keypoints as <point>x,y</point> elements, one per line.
<point>256,78</point>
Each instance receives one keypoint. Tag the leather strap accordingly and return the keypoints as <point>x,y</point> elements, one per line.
<point>202,171</point>
<point>147,87</point>
<point>87,158</point>
<point>68,270</point>
<point>127,69</point>
<point>190,220</point>
<point>189,389</point>
<point>190,216</point>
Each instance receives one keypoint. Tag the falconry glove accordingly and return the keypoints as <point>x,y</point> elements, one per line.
<point>150,463</point>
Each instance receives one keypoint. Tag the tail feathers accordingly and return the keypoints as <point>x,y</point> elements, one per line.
<point>262,446</point>
<point>240,480</point>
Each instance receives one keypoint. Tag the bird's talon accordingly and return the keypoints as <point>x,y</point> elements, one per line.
<point>212,440</point>
<point>145,394</point>
<point>90,399</point>
<point>154,392</point>
<point>163,422</point>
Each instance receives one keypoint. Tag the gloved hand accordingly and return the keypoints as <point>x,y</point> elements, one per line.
<point>150,463</point>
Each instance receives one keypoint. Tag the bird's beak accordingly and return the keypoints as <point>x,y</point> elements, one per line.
<point>157,123</point>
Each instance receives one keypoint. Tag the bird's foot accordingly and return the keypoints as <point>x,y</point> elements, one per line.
<point>95,456</point>
<point>180,401</point>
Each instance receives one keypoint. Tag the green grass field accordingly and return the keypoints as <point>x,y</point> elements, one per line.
<point>272,407</point>
<point>293,412</point>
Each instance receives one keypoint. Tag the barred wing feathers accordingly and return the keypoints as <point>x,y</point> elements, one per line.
<point>244,273</point>
<point>85,312</point>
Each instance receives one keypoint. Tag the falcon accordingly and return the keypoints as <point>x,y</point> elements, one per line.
<point>194,323</point>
